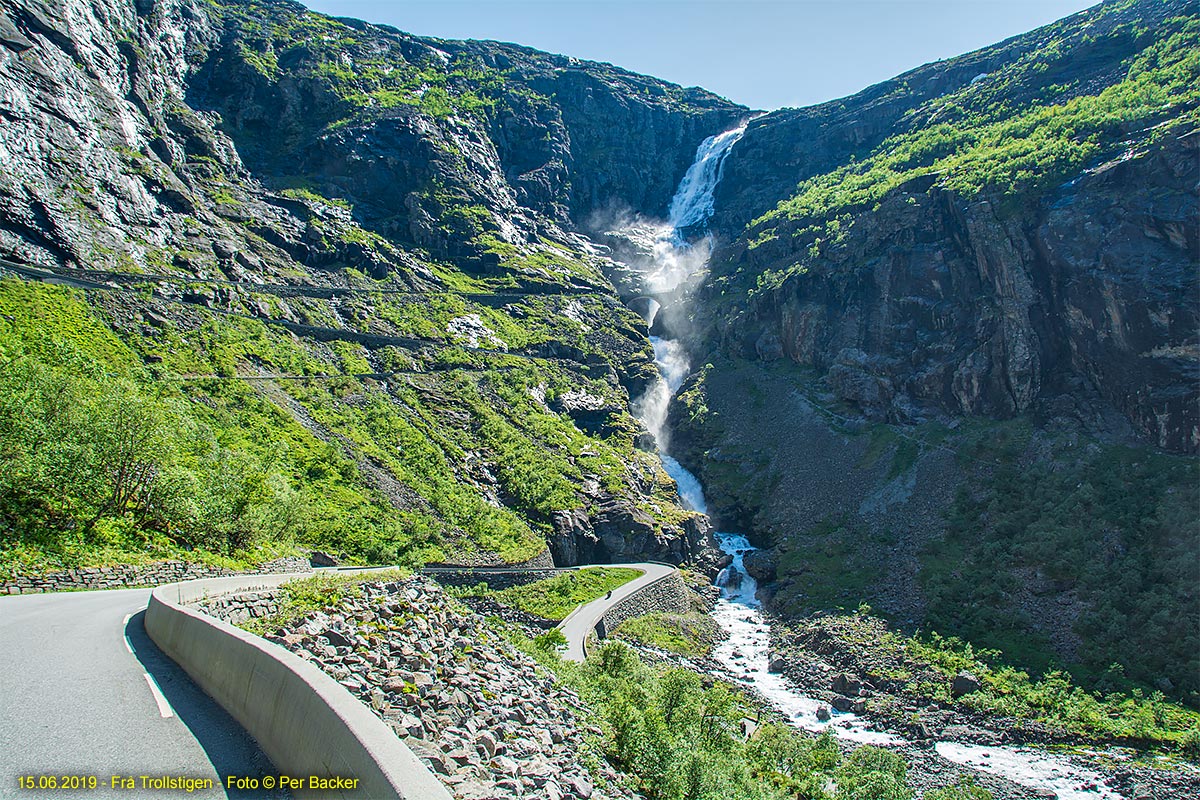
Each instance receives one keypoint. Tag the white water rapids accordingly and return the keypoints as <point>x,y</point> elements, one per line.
<point>746,652</point>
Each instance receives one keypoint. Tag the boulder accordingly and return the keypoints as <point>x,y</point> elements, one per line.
<point>320,559</point>
<point>964,683</point>
<point>847,684</point>
<point>761,565</point>
<point>335,638</point>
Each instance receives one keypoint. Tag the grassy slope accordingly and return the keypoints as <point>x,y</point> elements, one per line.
<point>239,466</point>
<point>555,598</point>
<point>693,634</point>
<point>977,141</point>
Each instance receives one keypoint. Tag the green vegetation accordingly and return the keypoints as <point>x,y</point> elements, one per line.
<point>98,463</point>
<point>1114,525</point>
<point>680,740</point>
<point>920,669</point>
<point>555,598</point>
<point>693,634</point>
<point>965,789</point>
<point>352,67</point>
<point>1008,135</point>
<point>223,469</point>
<point>1054,700</point>
<point>827,567</point>
<point>318,593</point>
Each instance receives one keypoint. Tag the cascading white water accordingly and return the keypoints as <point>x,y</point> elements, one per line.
<point>693,200</point>
<point>746,652</point>
<point>739,612</point>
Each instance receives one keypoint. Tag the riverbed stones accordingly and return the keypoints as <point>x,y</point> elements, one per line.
<point>846,684</point>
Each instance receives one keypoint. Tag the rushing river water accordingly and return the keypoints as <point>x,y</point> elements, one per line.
<point>739,612</point>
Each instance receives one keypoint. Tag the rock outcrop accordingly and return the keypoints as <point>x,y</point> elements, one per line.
<point>1075,298</point>
<point>936,304</point>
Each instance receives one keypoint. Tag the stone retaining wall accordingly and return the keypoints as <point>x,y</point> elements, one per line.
<point>129,575</point>
<point>237,608</point>
<point>668,595</point>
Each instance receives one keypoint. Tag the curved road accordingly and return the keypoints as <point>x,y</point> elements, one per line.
<point>83,691</point>
<point>582,621</point>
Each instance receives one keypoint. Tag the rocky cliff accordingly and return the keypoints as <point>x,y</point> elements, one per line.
<point>347,253</point>
<point>944,253</point>
<point>947,295</point>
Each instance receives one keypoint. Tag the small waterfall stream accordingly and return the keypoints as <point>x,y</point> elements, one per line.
<point>739,612</point>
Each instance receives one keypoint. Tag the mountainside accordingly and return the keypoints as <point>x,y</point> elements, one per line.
<point>952,336</point>
<point>330,292</point>
<point>330,285</point>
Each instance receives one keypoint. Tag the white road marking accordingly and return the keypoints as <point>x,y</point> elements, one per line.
<point>164,707</point>
<point>124,623</point>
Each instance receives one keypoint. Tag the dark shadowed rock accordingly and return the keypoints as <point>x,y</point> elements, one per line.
<point>964,683</point>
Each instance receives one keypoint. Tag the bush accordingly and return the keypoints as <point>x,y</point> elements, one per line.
<point>965,789</point>
<point>681,740</point>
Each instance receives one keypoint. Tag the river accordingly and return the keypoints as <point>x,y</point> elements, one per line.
<point>745,652</point>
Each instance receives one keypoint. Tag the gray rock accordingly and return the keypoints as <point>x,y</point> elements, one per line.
<point>964,683</point>
<point>846,684</point>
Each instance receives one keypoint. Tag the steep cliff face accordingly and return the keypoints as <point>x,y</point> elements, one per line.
<point>933,303</point>
<point>946,254</point>
<point>952,341</point>
<point>344,238</point>
<point>441,144</point>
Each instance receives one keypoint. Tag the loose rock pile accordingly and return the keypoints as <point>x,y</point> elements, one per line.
<point>482,715</point>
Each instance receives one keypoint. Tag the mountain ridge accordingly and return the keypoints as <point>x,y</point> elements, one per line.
<point>403,242</point>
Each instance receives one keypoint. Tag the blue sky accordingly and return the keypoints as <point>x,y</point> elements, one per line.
<point>762,53</point>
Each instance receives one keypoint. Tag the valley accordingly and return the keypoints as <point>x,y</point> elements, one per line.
<point>901,387</point>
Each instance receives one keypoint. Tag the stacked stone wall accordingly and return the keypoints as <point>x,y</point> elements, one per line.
<point>132,575</point>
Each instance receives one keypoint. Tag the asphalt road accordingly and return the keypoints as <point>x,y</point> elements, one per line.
<point>582,621</point>
<point>83,691</point>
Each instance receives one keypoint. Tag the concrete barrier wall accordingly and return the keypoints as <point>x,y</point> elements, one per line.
<point>306,722</point>
<point>667,594</point>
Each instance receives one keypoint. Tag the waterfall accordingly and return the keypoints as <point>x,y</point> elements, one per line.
<point>693,201</point>
<point>746,651</point>
<point>675,259</point>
